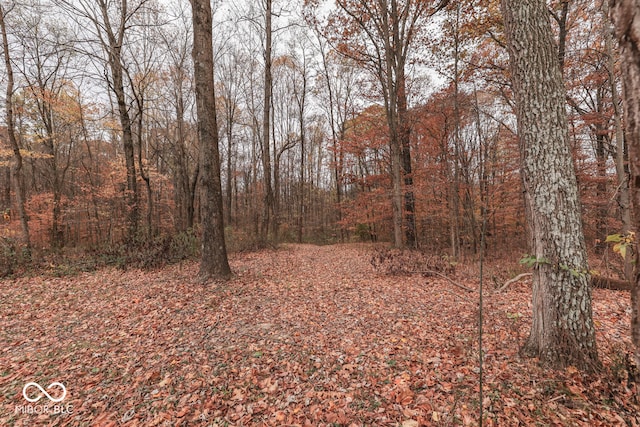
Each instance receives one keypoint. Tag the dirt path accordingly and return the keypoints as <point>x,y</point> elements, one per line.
<point>305,335</point>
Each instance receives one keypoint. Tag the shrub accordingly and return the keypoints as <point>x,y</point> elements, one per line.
<point>398,262</point>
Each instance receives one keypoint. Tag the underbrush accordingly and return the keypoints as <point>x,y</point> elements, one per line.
<point>402,262</point>
<point>144,253</point>
<point>149,253</point>
<point>13,256</point>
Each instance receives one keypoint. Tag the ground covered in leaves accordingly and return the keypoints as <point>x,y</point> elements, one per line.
<point>304,335</point>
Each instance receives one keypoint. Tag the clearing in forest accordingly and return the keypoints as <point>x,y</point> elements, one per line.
<point>303,335</point>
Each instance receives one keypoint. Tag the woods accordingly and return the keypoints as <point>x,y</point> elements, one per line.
<point>381,121</point>
<point>138,133</point>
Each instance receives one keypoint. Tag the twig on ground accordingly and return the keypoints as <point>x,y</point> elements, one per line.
<point>514,280</point>
<point>453,282</point>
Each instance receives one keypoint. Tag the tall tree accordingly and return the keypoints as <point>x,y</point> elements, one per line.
<point>562,332</point>
<point>380,35</point>
<point>620,158</point>
<point>214,263</point>
<point>16,169</point>
<point>625,15</point>
<point>269,218</point>
<point>183,153</point>
<point>111,21</point>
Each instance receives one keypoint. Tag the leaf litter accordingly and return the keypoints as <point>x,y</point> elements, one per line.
<point>301,336</point>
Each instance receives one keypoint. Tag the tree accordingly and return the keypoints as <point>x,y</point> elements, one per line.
<point>380,36</point>
<point>214,263</point>
<point>16,170</point>
<point>562,333</point>
<point>625,15</point>
<point>183,153</point>
<point>337,77</point>
<point>269,201</point>
<point>111,22</point>
<point>620,158</point>
<point>46,54</point>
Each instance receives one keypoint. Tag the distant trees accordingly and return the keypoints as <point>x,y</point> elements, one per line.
<point>562,333</point>
<point>331,125</point>
<point>17,167</point>
<point>380,36</point>
<point>110,23</point>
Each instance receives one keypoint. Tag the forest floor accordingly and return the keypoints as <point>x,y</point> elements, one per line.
<point>303,335</point>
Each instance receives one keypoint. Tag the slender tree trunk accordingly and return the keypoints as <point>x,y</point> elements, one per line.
<point>269,218</point>
<point>337,154</point>
<point>302,174</point>
<point>410,231</point>
<point>621,171</point>
<point>455,184</point>
<point>404,131</point>
<point>229,182</point>
<point>601,187</point>
<point>6,194</point>
<point>113,46</point>
<point>625,15</point>
<point>140,101</point>
<point>562,332</point>
<point>16,170</point>
<point>214,263</point>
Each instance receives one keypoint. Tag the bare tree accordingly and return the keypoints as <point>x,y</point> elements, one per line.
<point>380,35</point>
<point>16,170</point>
<point>269,218</point>
<point>46,53</point>
<point>110,22</point>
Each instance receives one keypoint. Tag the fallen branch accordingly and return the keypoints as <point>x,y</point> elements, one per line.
<point>596,282</point>
<point>609,283</point>
<point>453,282</point>
<point>459,296</point>
<point>514,280</point>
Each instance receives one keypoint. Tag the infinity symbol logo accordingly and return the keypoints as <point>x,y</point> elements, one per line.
<point>43,392</point>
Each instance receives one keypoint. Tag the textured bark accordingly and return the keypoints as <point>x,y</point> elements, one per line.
<point>625,15</point>
<point>562,332</point>
<point>214,263</point>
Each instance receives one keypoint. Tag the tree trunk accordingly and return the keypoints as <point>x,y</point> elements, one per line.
<point>113,46</point>
<point>214,263</point>
<point>266,125</point>
<point>625,15</point>
<point>562,333</point>
<point>621,171</point>
<point>16,170</point>
<point>229,182</point>
<point>404,134</point>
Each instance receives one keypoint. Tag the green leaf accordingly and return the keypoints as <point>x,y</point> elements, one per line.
<point>614,238</point>
<point>620,248</point>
